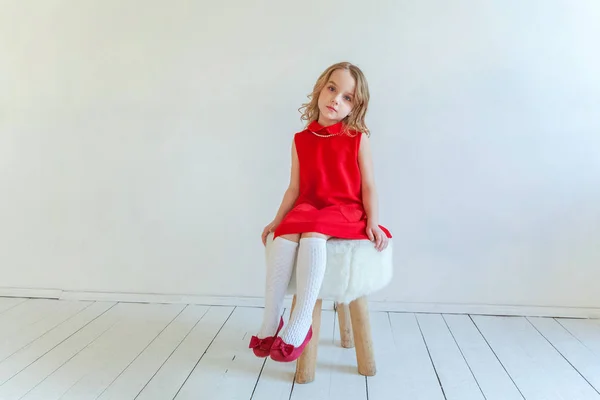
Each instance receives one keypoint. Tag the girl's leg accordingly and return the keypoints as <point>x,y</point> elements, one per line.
<point>280,263</point>
<point>310,271</point>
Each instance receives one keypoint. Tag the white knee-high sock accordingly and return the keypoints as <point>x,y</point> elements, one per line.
<point>280,263</point>
<point>310,271</point>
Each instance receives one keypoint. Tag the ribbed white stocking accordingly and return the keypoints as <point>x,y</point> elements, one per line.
<point>310,271</point>
<point>280,263</point>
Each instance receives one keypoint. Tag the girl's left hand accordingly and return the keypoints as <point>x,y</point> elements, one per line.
<point>376,235</point>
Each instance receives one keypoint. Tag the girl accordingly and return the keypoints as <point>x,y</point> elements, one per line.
<point>331,194</point>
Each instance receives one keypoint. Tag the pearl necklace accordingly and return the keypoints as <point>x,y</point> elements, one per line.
<point>325,136</point>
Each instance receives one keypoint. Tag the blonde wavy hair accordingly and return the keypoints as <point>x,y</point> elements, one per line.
<point>355,121</point>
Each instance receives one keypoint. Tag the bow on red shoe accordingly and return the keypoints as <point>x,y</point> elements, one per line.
<point>262,347</point>
<point>284,348</point>
<point>254,342</point>
<point>283,352</point>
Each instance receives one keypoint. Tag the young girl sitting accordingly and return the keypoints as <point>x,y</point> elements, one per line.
<point>331,194</point>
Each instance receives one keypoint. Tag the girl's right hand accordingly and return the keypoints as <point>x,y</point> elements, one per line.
<point>268,229</point>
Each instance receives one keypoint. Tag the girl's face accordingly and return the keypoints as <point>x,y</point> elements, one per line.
<point>336,99</point>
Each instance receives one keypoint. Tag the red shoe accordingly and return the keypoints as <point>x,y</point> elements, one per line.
<point>262,347</point>
<point>283,352</point>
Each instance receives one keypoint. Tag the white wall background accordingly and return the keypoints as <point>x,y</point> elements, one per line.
<point>145,144</point>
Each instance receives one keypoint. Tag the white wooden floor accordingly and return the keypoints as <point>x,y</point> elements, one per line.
<point>53,349</point>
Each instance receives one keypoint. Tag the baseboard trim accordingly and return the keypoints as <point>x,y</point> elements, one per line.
<point>487,309</point>
<point>389,306</point>
<point>31,293</point>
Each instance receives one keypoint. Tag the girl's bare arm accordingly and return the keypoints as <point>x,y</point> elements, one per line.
<point>369,194</point>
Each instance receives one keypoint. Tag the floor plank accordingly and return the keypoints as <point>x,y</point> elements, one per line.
<point>177,368</point>
<point>229,369</point>
<point>125,349</point>
<point>6,303</point>
<point>404,369</point>
<point>586,330</point>
<point>26,314</point>
<point>28,334</point>
<point>455,375</point>
<point>538,370</point>
<point>27,355</point>
<point>87,374</point>
<point>576,353</point>
<point>485,366</point>
<point>27,379</point>
<point>133,379</point>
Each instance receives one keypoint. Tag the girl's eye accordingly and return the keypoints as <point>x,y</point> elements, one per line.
<point>347,98</point>
<point>331,88</point>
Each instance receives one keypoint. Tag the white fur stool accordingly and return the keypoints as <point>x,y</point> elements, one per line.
<point>355,269</point>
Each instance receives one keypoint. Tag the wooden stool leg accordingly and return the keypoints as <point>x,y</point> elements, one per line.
<point>343,312</point>
<point>307,363</point>
<point>361,327</point>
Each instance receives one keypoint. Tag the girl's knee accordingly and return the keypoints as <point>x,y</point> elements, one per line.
<point>314,235</point>
<point>292,237</point>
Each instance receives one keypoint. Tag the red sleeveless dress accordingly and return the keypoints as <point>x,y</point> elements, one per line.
<point>330,198</point>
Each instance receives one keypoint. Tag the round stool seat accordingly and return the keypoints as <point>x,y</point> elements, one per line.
<point>354,269</point>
